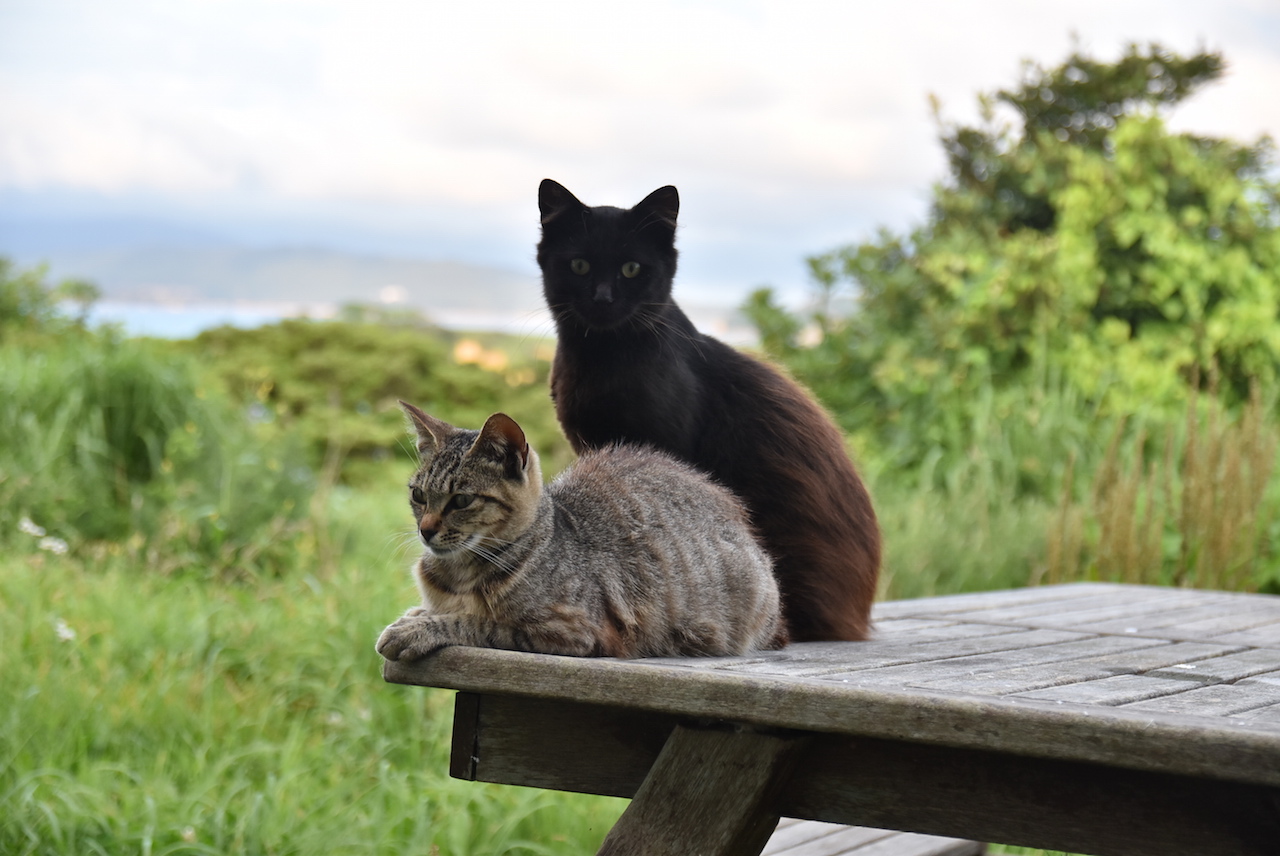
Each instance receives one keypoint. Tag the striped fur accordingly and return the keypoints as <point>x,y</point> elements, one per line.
<point>629,553</point>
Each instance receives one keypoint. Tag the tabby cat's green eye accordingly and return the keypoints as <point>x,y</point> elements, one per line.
<point>580,266</point>
<point>417,495</point>
<point>631,270</point>
<point>461,500</point>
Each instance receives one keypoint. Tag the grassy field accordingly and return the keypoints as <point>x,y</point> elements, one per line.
<point>191,582</point>
<point>151,714</point>
<point>170,714</point>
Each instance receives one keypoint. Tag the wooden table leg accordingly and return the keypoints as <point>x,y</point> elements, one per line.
<point>710,792</point>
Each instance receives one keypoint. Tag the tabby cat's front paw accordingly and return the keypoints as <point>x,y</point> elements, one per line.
<point>412,637</point>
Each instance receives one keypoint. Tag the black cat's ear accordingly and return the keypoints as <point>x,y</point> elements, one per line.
<point>554,200</point>
<point>502,440</point>
<point>661,206</point>
<point>431,431</point>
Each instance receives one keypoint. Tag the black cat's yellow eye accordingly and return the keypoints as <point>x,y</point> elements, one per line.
<point>417,495</point>
<point>461,500</point>
<point>580,266</point>
<point>631,270</point>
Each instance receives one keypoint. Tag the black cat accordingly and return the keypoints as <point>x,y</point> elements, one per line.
<point>631,367</point>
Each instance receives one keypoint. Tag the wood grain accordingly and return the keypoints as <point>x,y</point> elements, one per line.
<point>711,791</point>
<point>898,785</point>
<point>958,709</point>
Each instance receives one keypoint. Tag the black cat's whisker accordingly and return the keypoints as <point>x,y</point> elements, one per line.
<point>660,324</point>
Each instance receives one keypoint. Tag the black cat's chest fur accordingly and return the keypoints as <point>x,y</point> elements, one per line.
<point>639,388</point>
<point>630,367</point>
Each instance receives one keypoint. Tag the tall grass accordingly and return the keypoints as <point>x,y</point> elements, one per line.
<point>1193,504</point>
<point>1032,485</point>
<point>231,710</point>
<point>117,450</point>
<point>152,714</point>
<point>973,514</point>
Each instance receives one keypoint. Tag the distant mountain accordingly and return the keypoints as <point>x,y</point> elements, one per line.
<point>307,276</point>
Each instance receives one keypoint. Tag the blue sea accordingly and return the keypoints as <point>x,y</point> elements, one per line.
<point>185,320</point>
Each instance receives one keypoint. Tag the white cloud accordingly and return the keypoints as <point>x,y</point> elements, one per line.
<point>781,119</point>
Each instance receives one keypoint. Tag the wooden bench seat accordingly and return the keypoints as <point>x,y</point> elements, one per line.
<point>1087,718</point>
<point>813,838</point>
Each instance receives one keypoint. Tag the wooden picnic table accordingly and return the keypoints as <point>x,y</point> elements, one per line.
<point>1092,718</point>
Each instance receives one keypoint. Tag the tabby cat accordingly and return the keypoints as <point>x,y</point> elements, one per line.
<point>629,553</point>
<point>631,368</point>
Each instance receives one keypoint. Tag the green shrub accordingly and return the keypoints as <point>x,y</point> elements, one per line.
<point>108,446</point>
<point>335,384</point>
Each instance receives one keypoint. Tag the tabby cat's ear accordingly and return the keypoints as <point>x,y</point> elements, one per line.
<point>661,206</point>
<point>502,440</point>
<point>554,200</point>
<point>431,431</point>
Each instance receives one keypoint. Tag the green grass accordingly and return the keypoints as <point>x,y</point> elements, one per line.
<point>162,715</point>
<point>186,659</point>
<point>155,713</point>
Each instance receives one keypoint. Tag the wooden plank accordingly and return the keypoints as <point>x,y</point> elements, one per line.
<point>902,784</point>
<point>959,603</point>
<point>1085,616</point>
<point>839,657</point>
<point>1227,667</point>
<point>795,837</point>
<point>1112,691</point>
<point>1027,614</point>
<point>599,750</point>
<point>1138,616</point>
<point>711,791</point>
<point>1211,617</point>
<point>1262,717</point>
<point>915,628</point>
<point>1035,675</point>
<point>813,838</point>
<point>463,756</point>
<point>1011,724</point>
<point>1262,636</point>
<point>1264,677</point>
<point>1213,700</point>
<point>979,672</point>
<point>1079,808</point>
<point>913,844</point>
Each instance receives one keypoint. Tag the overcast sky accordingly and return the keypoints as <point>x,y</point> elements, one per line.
<point>422,128</point>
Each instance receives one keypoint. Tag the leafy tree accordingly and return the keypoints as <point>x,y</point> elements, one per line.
<point>1078,242</point>
<point>335,384</point>
<point>30,306</point>
<point>111,446</point>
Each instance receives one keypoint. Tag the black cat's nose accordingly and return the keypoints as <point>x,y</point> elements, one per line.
<point>604,293</point>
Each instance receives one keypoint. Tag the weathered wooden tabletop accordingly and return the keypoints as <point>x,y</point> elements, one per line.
<point>1093,718</point>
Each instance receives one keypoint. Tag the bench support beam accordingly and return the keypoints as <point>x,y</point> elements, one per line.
<point>710,791</point>
<point>936,790</point>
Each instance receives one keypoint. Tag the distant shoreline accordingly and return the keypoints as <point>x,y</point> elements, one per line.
<point>184,320</point>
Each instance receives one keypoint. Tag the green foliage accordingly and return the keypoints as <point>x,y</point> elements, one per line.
<point>335,384</point>
<point>1083,275</point>
<point>111,447</point>
<point>1192,505</point>
<point>1087,245</point>
<point>29,307</point>
<point>142,713</point>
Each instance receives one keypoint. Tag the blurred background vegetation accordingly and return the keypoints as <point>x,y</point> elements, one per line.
<point>1069,371</point>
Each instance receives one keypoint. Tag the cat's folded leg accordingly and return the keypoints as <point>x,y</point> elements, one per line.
<point>419,632</point>
<point>416,634</point>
